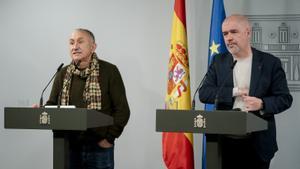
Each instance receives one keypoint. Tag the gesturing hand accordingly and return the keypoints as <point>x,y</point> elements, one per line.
<point>252,103</point>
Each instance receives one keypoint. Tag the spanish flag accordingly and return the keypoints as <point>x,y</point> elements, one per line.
<point>178,147</point>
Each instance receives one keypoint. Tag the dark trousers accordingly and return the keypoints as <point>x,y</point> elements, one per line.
<point>240,154</point>
<point>91,156</point>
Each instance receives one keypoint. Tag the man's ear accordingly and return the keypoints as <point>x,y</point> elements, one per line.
<point>248,31</point>
<point>93,47</point>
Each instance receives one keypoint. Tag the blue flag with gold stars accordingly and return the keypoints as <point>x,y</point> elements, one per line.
<point>216,40</point>
<point>216,46</point>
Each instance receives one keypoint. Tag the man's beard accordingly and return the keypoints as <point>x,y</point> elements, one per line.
<point>233,50</point>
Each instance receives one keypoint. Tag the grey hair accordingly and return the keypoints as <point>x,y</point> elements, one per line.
<point>88,32</point>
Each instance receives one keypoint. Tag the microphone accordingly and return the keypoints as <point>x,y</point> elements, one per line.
<point>237,109</point>
<point>76,64</point>
<point>233,64</point>
<point>222,85</point>
<point>58,69</point>
<point>198,88</point>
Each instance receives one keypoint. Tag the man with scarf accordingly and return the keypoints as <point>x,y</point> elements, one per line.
<point>89,82</point>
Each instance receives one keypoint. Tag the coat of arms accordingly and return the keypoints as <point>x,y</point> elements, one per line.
<point>44,118</point>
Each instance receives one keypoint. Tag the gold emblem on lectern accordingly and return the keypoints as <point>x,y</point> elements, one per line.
<point>44,118</point>
<point>199,121</point>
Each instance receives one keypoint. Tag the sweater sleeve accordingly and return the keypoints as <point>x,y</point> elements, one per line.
<point>120,108</point>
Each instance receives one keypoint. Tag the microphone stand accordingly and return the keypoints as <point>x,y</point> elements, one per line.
<point>198,88</point>
<point>77,64</point>
<point>222,85</point>
<point>41,98</point>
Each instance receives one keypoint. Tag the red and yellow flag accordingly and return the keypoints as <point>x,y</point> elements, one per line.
<point>178,147</point>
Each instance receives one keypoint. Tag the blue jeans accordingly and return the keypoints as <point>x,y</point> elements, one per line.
<point>91,156</point>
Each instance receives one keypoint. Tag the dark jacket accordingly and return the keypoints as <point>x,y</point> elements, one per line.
<point>268,82</point>
<point>113,100</point>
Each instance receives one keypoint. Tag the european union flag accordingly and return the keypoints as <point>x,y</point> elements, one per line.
<point>216,40</point>
<point>216,46</point>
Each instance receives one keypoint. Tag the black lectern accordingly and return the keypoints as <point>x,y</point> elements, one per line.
<point>209,122</point>
<point>60,120</point>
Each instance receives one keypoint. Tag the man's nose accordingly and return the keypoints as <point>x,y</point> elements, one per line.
<point>229,37</point>
<point>75,46</point>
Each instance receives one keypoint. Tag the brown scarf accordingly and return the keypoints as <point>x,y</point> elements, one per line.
<point>92,91</point>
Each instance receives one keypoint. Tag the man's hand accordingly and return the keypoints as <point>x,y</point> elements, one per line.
<point>252,103</point>
<point>35,105</point>
<point>104,144</point>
